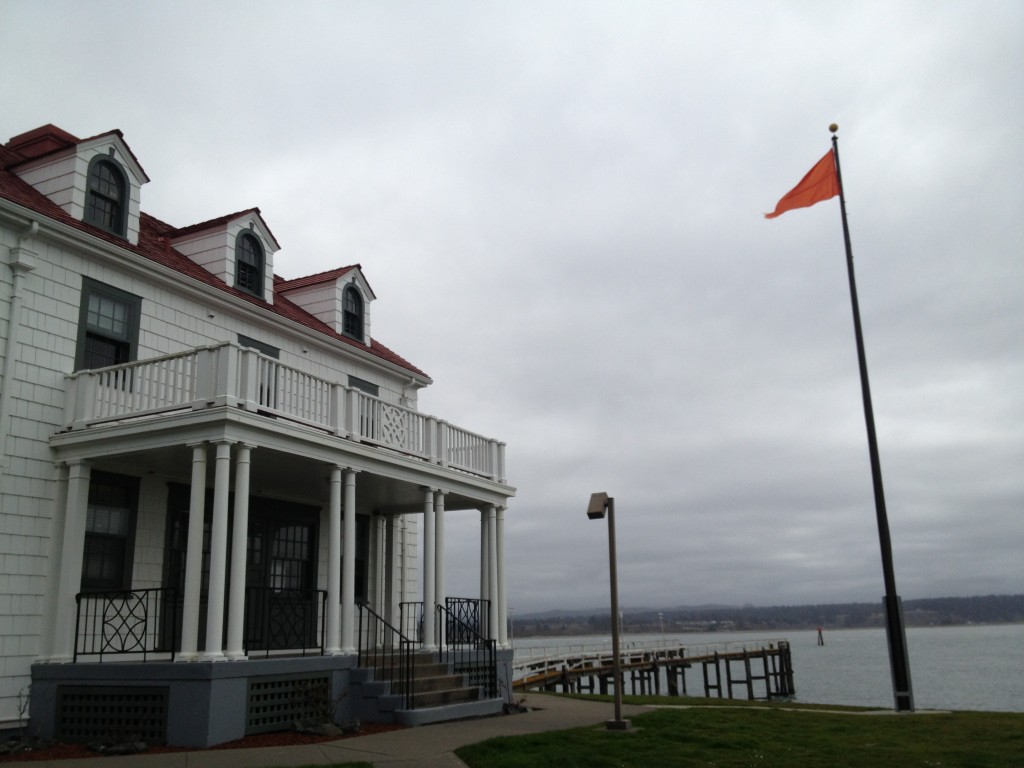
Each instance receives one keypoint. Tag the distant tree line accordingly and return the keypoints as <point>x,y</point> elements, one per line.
<point>941,611</point>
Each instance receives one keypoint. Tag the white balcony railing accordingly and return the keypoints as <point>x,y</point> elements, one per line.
<point>227,374</point>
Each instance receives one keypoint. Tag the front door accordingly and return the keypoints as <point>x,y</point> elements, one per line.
<point>282,606</point>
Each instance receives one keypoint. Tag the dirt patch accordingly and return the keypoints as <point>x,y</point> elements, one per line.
<point>59,751</point>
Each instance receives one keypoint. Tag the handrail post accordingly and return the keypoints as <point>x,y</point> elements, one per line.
<point>248,383</point>
<point>337,403</point>
<point>430,430</point>
<point>442,442</point>
<point>71,405</point>
<point>352,425</point>
<point>207,361</point>
<point>226,382</point>
<point>500,469</point>
<point>89,386</point>
<point>492,460</point>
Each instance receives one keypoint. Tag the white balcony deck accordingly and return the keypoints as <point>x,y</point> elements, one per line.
<point>227,374</point>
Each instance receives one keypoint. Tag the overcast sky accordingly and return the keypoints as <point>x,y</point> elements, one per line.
<point>559,206</point>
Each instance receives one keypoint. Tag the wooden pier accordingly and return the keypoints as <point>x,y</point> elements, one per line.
<point>759,670</point>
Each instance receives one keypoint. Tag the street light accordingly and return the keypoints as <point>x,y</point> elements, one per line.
<point>600,504</point>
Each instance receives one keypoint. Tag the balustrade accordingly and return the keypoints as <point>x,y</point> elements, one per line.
<point>227,374</point>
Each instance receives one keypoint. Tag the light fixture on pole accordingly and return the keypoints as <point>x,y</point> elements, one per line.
<point>600,504</point>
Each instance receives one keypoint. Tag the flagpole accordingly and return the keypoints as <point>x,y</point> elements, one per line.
<point>896,634</point>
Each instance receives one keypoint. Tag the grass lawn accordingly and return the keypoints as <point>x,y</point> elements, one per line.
<point>734,736</point>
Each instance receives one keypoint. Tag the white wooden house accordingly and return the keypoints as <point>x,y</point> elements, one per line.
<point>220,508</point>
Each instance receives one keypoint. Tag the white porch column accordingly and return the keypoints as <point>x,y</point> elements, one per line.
<point>492,562</point>
<point>439,565</point>
<point>76,512</point>
<point>391,554</point>
<point>194,557</point>
<point>348,564</point>
<point>218,555</point>
<point>378,584</point>
<point>502,595</point>
<point>334,564</point>
<point>429,574</point>
<point>239,547</point>
<point>51,607</point>
<point>485,579</point>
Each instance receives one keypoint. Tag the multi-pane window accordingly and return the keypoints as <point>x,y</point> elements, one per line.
<point>108,326</point>
<point>249,264</point>
<point>106,196</point>
<point>109,529</point>
<point>290,557</point>
<point>352,313</point>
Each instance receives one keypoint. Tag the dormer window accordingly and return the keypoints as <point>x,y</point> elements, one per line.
<point>352,313</point>
<point>106,202</point>
<point>249,264</point>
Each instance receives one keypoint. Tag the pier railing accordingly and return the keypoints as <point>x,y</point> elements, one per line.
<point>229,374</point>
<point>755,666</point>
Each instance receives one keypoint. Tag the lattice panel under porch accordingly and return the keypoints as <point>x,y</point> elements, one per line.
<point>276,703</point>
<point>111,715</point>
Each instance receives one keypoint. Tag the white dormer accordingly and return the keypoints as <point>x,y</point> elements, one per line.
<point>97,180</point>
<point>340,298</point>
<point>238,248</point>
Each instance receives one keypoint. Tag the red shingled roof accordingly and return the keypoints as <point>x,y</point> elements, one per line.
<point>154,240</point>
<point>280,284</point>
<point>182,231</point>
<point>41,141</point>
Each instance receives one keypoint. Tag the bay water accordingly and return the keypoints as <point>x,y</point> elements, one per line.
<point>963,667</point>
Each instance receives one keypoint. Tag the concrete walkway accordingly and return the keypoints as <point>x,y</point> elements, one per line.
<point>429,746</point>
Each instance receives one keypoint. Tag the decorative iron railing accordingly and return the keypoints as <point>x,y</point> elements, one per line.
<point>134,623</point>
<point>467,619</point>
<point>466,650</point>
<point>228,374</point>
<point>142,623</point>
<point>284,620</point>
<point>388,652</point>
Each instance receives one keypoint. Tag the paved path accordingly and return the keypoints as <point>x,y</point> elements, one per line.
<point>429,746</point>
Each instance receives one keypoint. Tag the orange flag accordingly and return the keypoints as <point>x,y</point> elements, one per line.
<point>820,183</point>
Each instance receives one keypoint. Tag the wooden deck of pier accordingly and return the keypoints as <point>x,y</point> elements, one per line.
<point>761,672</point>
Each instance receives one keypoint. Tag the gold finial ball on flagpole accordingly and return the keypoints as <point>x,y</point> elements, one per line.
<point>833,127</point>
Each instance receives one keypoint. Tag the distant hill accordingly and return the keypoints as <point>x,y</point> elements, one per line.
<point>940,611</point>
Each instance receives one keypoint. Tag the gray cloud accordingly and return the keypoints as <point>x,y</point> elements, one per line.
<point>559,206</point>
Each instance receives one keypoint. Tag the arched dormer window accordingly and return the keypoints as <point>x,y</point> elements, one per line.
<point>249,264</point>
<point>106,196</point>
<point>352,313</point>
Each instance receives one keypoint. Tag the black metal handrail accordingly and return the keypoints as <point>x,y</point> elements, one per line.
<point>466,650</point>
<point>388,652</point>
<point>285,620</point>
<point>128,621</point>
<point>410,620</point>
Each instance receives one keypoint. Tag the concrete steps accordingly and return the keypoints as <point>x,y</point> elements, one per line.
<point>437,695</point>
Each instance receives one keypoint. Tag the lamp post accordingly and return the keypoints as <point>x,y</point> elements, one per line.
<point>600,504</point>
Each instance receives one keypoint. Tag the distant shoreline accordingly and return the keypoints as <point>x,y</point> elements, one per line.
<point>929,612</point>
